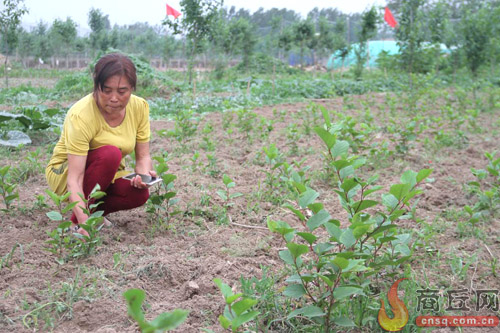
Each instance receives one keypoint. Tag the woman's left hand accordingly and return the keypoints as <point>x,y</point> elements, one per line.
<point>138,183</point>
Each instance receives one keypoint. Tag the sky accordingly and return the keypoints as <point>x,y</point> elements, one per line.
<point>125,12</point>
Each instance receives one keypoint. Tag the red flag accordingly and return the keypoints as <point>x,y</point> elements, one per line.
<point>389,18</point>
<point>173,12</point>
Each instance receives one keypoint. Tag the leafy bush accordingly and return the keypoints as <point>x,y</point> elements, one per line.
<point>329,271</point>
<point>75,85</point>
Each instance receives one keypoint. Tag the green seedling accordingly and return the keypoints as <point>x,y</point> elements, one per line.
<point>165,321</point>
<point>60,241</point>
<point>195,163</point>
<point>237,310</point>
<point>162,197</point>
<point>486,189</point>
<point>273,161</point>
<point>245,122</point>
<point>185,126</point>
<point>212,168</point>
<point>225,194</point>
<point>7,190</point>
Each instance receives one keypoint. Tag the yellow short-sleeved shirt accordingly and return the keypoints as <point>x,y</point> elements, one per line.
<point>85,129</point>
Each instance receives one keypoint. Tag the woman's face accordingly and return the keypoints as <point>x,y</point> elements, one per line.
<point>114,96</point>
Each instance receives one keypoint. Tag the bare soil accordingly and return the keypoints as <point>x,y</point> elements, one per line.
<point>176,267</point>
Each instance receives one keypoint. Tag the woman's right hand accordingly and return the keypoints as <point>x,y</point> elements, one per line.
<point>80,230</point>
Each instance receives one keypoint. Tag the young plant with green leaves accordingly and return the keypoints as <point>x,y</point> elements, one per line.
<point>165,321</point>
<point>238,309</point>
<point>60,242</point>
<point>225,194</point>
<point>162,198</point>
<point>329,271</point>
<point>7,190</point>
<point>486,189</point>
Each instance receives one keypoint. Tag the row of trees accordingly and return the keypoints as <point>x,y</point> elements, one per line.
<point>221,34</point>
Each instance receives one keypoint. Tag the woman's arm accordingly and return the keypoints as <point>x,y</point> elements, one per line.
<point>143,164</point>
<point>76,172</point>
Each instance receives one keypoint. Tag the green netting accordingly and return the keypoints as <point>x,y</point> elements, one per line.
<point>374,49</point>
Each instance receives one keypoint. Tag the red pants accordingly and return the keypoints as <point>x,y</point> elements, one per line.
<point>101,167</point>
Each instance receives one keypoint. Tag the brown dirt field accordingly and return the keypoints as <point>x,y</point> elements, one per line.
<point>176,267</point>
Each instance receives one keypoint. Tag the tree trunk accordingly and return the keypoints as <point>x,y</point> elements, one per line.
<point>5,70</point>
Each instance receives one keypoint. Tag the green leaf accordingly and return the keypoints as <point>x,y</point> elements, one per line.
<point>318,219</point>
<point>344,292</point>
<point>333,230</point>
<point>389,201</point>
<point>308,237</point>
<point>409,177</point>
<point>230,299</point>
<point>340,148</point>
<point>340,262</point>
<point>224,288</point>
<point>346,172</point>
<point>224,322</point>
<point>307,198</point>
<point>344,322</point>
<point>328,138</point>
<point>326,280</point>
<point>422,174</point>
<point>170,320</point>
<point>243,305</point>
<point>69,207</point>
<point>362,205</point>
<point>226,180</point>
<point>54,197</point>
<point>296,250</point>
<point>134,298</point>
<point>54,216</point>
<point>360,231</point>
<point>347,238</point>
<point>294,291</point>
<point>287,257</point>
<point>297,212</point>
<point>310,311</point>
<point>399,190</point>
<point>240,320</point>
<point>222,194</point>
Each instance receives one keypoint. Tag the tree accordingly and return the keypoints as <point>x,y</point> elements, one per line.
<point>325,38</point>
<point>285,41</point>
<point>303,32</point>
<point>369,22</point>
<point>340,45</point>
<point>99,24</point>
<point>42,51</point>
<point>63,37</point>
<point>25,45</point>
<point>196,22</point>
<point>410,35</point>
<point>439,26</point>
<point>241,39</point>
<point>10,18</point>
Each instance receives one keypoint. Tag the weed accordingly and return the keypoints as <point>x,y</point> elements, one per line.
<point>5,260</point>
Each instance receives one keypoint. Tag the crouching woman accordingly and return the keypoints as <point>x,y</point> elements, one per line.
<point>98,132</point>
